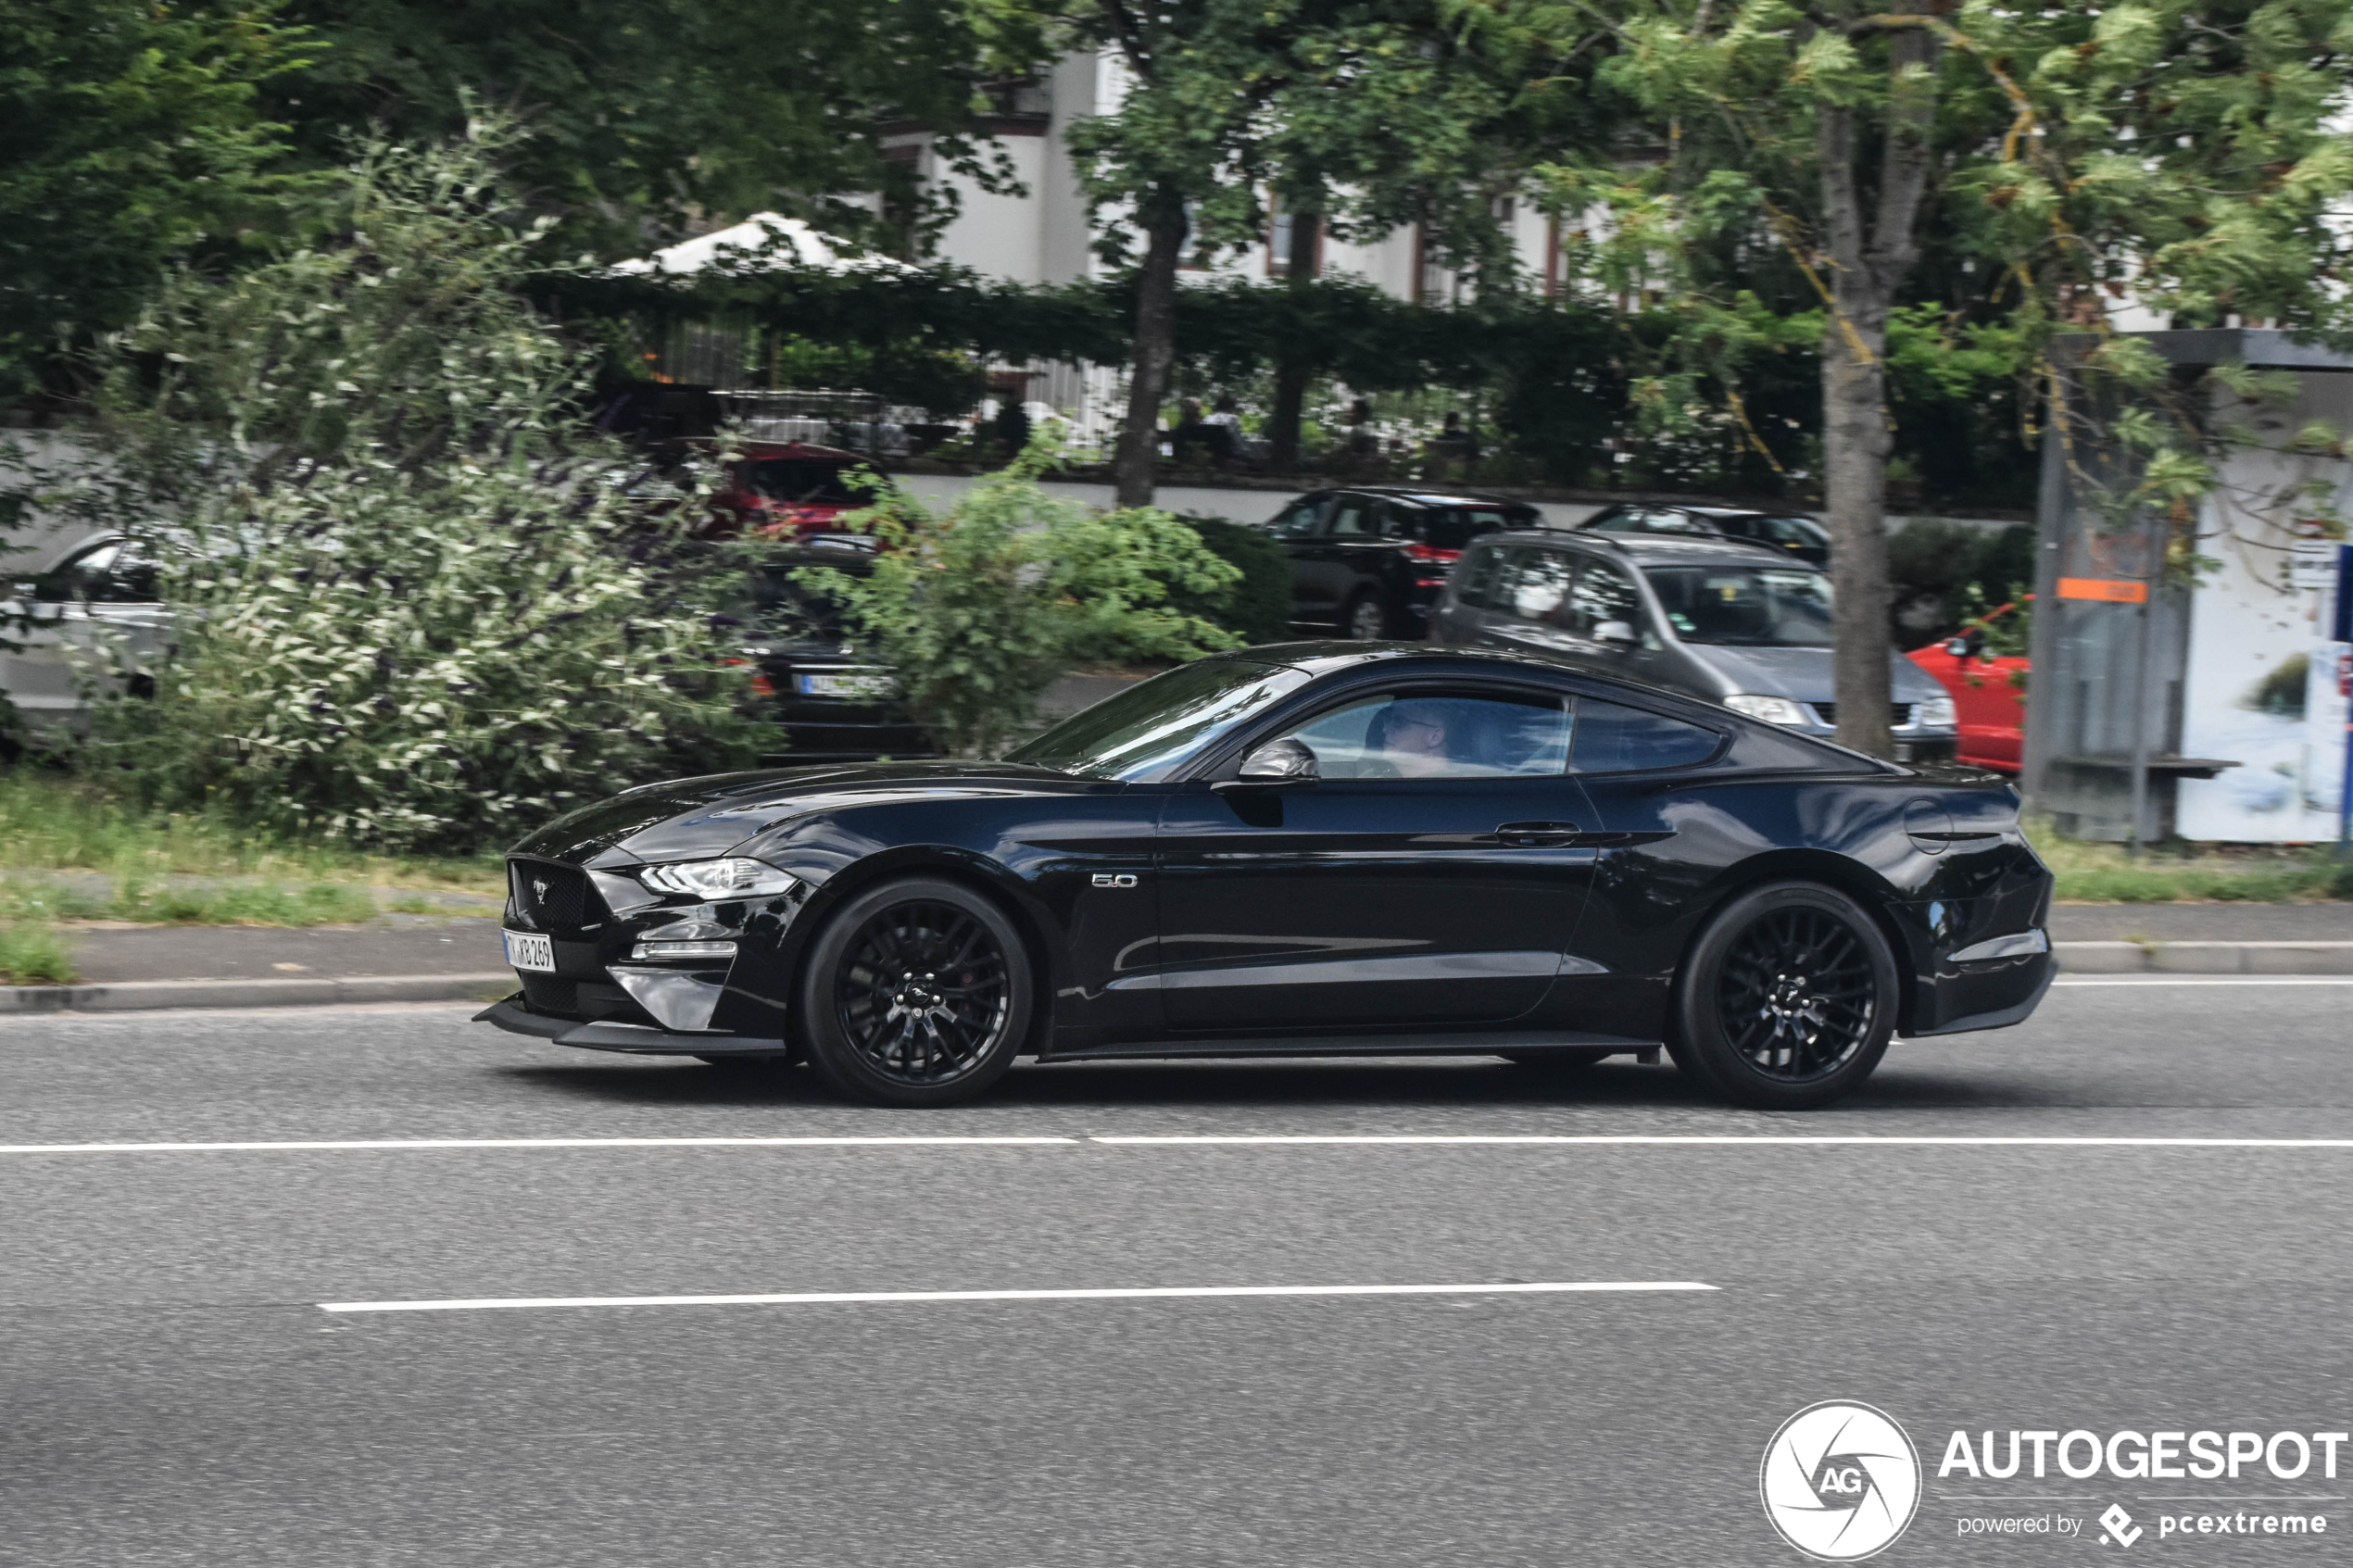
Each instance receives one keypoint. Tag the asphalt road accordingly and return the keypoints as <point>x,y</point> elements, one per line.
<point>175,1394</point>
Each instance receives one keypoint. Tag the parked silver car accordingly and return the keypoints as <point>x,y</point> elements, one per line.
<point>1739,625</point>
<point>64,621</point>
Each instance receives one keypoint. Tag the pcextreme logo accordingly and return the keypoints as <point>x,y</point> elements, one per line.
<point>1839,1480</point>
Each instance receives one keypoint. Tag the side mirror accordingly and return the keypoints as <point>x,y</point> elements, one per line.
<point>1617,632</point>
<point>1956,648</point>
<point>1281,762</point>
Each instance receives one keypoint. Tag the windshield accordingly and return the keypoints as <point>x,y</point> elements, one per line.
<point>1747,606</point>
<point>769,598</point>
<point>1148,731</point>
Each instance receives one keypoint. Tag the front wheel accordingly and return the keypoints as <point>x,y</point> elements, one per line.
<point>1787,999</point>
<point>917,993</point>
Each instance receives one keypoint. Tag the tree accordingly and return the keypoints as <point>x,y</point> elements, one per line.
<point>1791,166</point>
<point>415,603</point>
<point>1362,111</point>
<point>130,134</point>
<point>645,118</point>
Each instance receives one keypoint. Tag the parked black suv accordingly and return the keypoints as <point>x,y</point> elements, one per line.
<point>833,705</point>
<point>1370,563</point>
<point>1800,537</point>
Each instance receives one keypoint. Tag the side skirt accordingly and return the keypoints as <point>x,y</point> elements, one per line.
<point>1453,1043</point>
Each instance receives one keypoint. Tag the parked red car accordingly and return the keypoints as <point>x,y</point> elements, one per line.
<point>787,489</point>
<point>1988,693</point>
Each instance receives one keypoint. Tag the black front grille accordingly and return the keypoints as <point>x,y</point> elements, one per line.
<point>548,994</point>
<point>1898,714</point>
<point>549,896</point>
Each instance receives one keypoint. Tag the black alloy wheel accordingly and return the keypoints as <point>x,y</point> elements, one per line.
<point>1787,999</point>
<point>1365,620</point>
<point>917,993</point>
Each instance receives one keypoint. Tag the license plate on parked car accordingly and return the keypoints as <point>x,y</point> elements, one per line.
<point>525,950</point>
<point>857,686</point>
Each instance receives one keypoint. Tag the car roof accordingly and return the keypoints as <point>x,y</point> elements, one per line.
<point>1658,549</point>
<point>1426,496</point>
<point>1332,655</point>
<point>1709,511</point>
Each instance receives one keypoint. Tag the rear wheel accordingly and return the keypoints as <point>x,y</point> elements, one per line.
<point>1365,621</point>
<point>917,993</point>
<point>1787,999</point>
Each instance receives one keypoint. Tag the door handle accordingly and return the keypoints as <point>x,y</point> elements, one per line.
<point>1529,834</point>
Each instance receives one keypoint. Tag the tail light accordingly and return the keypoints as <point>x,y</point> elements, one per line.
<point>1432,552</point>
<point>762,686</point>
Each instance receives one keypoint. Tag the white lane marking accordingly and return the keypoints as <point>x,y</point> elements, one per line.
<point>2217,980</point>
<point>522,1143</point>
<point>1138,1293</point>
<point>1762,1139</point>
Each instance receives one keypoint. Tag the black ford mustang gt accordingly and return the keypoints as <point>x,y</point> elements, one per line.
<point>1306,849</point>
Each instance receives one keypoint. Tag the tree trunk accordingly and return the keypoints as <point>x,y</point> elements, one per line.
<point>1856,444</point>
<point>1291,376</point>
<point>1138,456</point>
<point>1868,263</point>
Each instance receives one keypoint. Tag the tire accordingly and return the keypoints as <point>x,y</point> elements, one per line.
<point>917,992</point>
<point>1365,619</point>
<point>1786,1000</point>
<point>1567,1059</point>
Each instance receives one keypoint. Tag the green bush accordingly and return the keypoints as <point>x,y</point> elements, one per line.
<point>32,953</point>
<point>416,604</point>
<point>1257,606</point>
<point>978,609</point>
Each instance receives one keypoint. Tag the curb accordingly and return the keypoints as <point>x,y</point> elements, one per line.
<point>2205,958</point>
<point>135,995</point>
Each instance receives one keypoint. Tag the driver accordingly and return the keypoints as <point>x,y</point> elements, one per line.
<point>1417,737</point>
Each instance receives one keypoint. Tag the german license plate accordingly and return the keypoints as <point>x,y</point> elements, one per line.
<point>856,687</point>
<point>525,950</point>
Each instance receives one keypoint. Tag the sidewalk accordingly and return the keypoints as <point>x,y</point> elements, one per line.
<point>428,957</point>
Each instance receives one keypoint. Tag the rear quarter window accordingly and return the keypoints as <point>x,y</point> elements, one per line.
<point>1613,738</point>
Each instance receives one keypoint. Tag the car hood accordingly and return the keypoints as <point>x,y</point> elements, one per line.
<point>1802,674</point>
<point>692,819</point>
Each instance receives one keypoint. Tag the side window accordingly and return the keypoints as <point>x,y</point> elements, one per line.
<point>1397,521</point>
<point>1353,517</point>
<point>1441,735</point>
<point>82,577</point>
<point>1538,581</point>
<point>1602,593</point>
<point>1479,583</point>
<point>1612,738</point>
<point>1299,519</point>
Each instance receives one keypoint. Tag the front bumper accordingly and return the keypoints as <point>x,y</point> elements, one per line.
<point>514,1015</point>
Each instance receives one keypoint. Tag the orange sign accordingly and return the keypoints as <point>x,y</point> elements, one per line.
<point>2110,590</point>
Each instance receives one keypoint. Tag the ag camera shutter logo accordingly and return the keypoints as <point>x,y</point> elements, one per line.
<point>1839,1480</point>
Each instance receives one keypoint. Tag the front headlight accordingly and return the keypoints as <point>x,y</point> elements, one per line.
<point>1772,710</point>
<point>733,878</point>
<point>1936,713</point>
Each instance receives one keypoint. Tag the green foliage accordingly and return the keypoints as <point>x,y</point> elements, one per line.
<point>1945,574</point>
<point>2104,873</point>
<point>652,116</point>
<point>416,607</point>
<point>980,608</point>
<point>54,824</point>
<point>129,134</point>
<point>1257,606</point>
<point>32,953</point>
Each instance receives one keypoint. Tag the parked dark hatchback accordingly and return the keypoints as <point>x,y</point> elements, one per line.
<point>1370,563</point>
<point>833,704</point>
<point>1316,848</point>
<point>1799,537</point>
